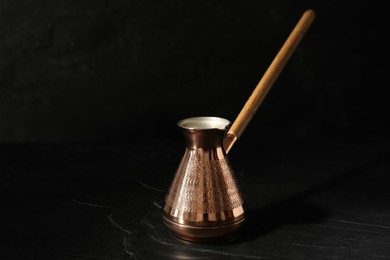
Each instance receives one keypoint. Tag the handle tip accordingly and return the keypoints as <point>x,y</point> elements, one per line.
<point>310,14</point>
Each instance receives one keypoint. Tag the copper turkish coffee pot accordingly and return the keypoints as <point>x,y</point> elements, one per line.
<point>204,202</point>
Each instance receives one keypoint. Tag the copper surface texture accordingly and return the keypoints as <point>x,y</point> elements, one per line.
<point>204,202</point>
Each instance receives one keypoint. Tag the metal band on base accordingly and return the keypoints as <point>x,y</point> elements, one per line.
<point>213,232</point>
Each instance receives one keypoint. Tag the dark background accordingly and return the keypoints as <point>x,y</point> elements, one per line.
<point>90,93</point>
<point>114,70</point>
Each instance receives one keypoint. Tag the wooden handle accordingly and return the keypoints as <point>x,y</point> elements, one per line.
<point>268,80</point>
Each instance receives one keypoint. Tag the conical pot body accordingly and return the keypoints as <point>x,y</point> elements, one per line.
<point>204,203</point>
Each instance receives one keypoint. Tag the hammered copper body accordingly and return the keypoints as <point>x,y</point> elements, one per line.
<point>204,203</point>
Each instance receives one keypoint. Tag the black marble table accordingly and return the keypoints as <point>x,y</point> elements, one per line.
<point>319,199</point>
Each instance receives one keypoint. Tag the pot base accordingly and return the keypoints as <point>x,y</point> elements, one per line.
<point>204,234</point>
